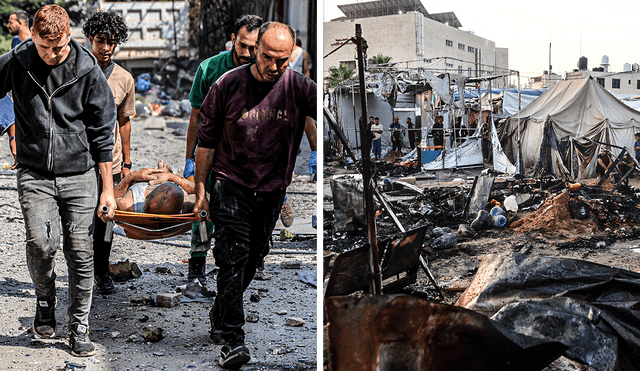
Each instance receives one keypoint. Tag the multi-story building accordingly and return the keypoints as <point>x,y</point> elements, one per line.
<point>157,30</point>
<point>546,80</point>
<point>406,32</point>
<point>626,82</point>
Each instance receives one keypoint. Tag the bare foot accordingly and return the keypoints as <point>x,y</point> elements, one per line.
<point>164,167</point>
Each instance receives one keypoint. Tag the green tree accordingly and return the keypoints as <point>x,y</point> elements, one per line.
<point>339,74</point>
<point>380,63</point>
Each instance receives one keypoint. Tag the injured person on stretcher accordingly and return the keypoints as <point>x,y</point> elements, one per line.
<point>155,191</point>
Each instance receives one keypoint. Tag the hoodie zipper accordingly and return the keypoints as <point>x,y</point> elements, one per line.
<point>50,110</point>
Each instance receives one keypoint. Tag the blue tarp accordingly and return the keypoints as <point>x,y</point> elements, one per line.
<point>7,117</point>
<point>473,93</point>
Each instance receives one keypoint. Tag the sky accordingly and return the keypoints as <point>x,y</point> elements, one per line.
<point>574,29</point>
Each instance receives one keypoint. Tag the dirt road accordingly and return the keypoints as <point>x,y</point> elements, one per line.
<point>117,326</point>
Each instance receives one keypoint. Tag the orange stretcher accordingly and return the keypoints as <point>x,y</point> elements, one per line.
<point>142,226</point>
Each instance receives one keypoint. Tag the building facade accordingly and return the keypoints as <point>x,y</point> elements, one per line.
<point>627,83</point>
<point>157,30</point>
<point>413,39</point>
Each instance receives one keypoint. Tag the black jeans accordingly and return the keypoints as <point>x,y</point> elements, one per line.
<point>102,249</point>
<point>243,222</point>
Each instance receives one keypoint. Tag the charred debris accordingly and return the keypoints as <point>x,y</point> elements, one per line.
<point>521,310</point>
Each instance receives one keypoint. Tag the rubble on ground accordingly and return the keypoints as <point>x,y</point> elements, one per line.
<point>543,218</point>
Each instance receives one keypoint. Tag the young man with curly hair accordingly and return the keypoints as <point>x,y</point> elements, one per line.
<point>65,114</point>
<point>106,30</point>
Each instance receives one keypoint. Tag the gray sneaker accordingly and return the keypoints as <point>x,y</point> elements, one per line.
<point>79,341</point>
<point>234,355</point>
<point>44,322</point>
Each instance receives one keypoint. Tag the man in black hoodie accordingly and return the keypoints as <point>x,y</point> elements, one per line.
<point>65,114</point>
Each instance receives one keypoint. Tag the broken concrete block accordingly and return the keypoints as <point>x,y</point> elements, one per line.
<point>168,300</point>
<point>294,321</point>
<point>115,334</point>
<point>253,318</point>
<point>141,300</point>
<point>163,270</point>
<point>261,276</point>
<point>291,264</point>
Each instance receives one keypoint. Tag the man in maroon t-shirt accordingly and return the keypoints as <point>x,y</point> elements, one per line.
<point>253,123</point>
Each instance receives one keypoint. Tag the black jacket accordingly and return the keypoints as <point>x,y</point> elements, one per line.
<point>69,132</point>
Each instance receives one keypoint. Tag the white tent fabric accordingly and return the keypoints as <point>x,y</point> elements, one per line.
<point>467,154</point>
<point>470,154</point>
<point>571,111</point>
<point>501,163</point>
<point>510,100</point>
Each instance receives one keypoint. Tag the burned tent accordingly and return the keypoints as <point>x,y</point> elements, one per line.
<point>555,132</point>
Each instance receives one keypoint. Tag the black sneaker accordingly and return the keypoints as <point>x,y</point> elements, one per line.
<point>79,341</point>
<point>104,284</point>
<point>44,322</point>
<point>197,267</point>
<point>234,355</point>
<point>216,336</point>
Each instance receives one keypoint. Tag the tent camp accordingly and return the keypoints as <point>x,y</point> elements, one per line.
<point>554,129</point>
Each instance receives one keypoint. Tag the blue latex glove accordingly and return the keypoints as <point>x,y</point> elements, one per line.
<point>313,165</point>
<point>189,168</point>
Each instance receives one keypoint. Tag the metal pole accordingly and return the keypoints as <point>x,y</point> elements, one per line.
<point>520,161</point>
<point>376,282</point>
<point>175,36</point>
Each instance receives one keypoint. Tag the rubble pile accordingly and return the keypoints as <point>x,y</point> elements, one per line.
<point>165,91</point>
<point>553,218</point>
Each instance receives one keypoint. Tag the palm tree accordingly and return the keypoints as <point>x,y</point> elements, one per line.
<point>380,63</point>
<point>339,74</point>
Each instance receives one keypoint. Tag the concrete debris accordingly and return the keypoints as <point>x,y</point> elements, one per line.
<point>163,270</point>
<point>262,276</point>
<point>168,300</point>
<point>308,277</point>
<point>464,222</point>
<point>294,321</point>
<point>252,317</point>
<point>291,264</point>
<point>254,297</point>
<point>134,339</point>
<point>141,300</point>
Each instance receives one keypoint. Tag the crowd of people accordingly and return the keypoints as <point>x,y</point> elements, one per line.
<point>71,142</point>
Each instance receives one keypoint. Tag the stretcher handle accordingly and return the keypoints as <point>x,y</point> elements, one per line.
<point>108,233</point>
<point>202,226</point>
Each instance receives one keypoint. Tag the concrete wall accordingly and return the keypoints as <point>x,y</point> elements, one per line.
<point>629,81</point>
<point>151,31</point>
